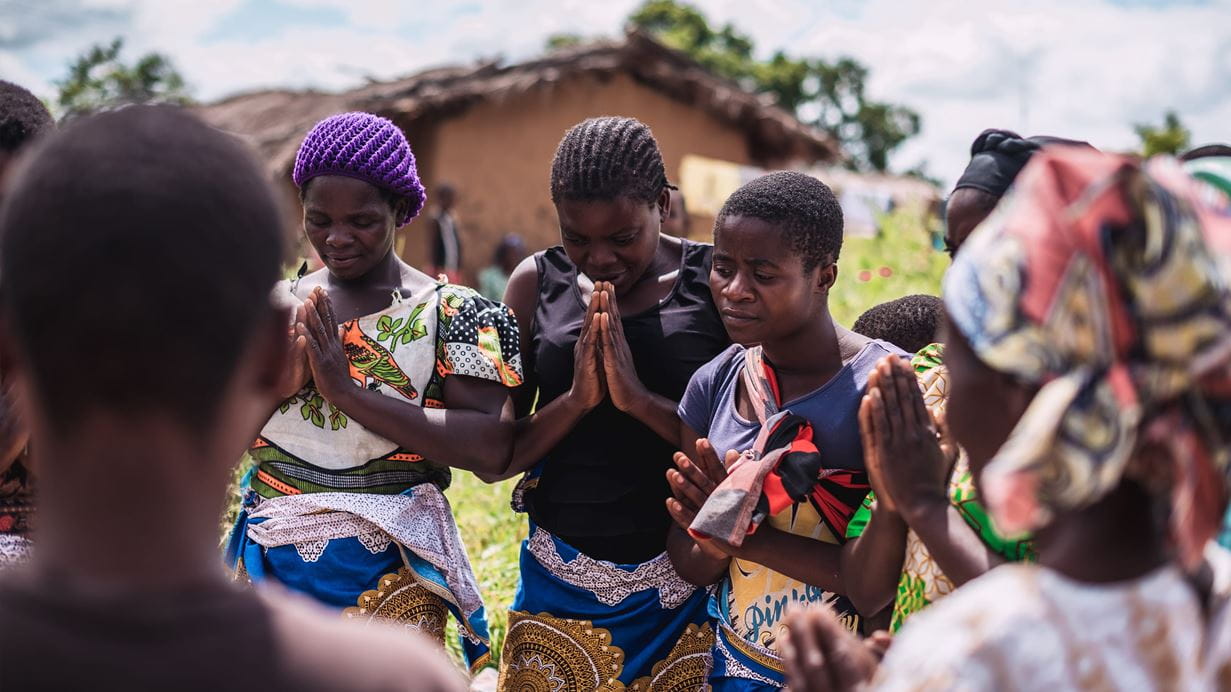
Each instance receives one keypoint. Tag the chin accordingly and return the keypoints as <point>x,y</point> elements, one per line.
<point>744,334</point>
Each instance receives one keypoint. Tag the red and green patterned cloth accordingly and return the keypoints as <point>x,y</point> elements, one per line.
<point>922,581</point>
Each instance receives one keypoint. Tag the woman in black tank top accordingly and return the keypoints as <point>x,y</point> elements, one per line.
<point>613,324</point>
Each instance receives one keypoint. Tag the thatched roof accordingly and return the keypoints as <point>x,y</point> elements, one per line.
<point>275,121</point>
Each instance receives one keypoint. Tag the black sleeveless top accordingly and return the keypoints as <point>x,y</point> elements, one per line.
<point>603,487</point>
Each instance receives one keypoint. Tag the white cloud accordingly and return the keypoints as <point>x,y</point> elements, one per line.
<point>1079,68</point>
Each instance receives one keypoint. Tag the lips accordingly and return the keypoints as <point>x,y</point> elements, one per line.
<point>738,317</point>
<point>606,277</point>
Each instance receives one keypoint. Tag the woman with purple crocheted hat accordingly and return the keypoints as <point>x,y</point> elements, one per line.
<point>392,367</point>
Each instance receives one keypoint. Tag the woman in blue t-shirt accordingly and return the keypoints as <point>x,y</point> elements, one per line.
<point>776,241</point>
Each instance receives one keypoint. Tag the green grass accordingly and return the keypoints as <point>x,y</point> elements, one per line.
<point>493,533</point>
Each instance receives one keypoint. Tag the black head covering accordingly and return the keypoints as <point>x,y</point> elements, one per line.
<point>997,156</point>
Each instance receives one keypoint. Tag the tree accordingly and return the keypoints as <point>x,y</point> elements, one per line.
<point>98,79</point>
<point>1172,138</point>
<point>561,41</point>
<point>829,95</point>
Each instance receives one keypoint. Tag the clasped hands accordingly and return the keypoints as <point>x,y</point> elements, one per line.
<point>316,351</point>
<point>602,362</point>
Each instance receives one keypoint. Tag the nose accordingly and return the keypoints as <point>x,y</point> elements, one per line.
<point>338,236</point>
<point>601,258</point>
<point>738,289</point>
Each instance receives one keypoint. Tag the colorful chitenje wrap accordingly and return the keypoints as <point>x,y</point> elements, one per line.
<point>783,468</point>
<point>578,623</point>
<point>1104,280</point>
<point>337,512</point>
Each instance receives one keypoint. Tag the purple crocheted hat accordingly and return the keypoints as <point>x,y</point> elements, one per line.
<point>363,146</point>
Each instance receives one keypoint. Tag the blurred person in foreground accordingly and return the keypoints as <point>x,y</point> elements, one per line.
<point>146,372</point>
<point>1089,353</point>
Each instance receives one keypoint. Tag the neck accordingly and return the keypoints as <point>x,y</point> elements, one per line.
<point>814,349</point>
<point>124,505</point>
<point>1115,539</point>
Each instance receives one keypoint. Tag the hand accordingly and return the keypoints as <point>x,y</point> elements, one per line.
<point>625,387</point>
<point>297,371</point>
<point>820,655</point>
<point>588,387</point>
<point>909,468</point>
<point>691,484</point>
<point>323,338</point>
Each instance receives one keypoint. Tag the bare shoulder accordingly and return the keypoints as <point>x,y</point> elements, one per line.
<point>337,654</point>
<point>303,288</point>
<point>522,292</point>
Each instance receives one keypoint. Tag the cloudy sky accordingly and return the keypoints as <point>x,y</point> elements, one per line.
<point>1079,68</point>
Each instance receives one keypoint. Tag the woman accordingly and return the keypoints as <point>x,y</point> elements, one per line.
<point>614,322</point>
<point>1090,384</point>
<point>345,501</point>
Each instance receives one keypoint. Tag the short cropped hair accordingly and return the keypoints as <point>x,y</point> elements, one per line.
<point>803,207</point>
<point>138,251</point>
<point>910,323</point>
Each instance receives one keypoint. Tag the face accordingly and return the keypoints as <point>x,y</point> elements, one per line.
<point>759,283</point>
<point>984,405</point>
<point>349,223</point>
<point>612,240</point>
<point>966,209</point>
<point>445,197</point>
<point>677,218</point>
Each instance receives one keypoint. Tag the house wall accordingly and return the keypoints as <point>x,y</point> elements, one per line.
<point>498,153</point>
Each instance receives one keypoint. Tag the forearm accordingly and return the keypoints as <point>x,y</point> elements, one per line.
<point>659,414</point>
<point>693,564</point>
<point>956,548</point>
<point>811,561</point>
<point>872,563</point>
<point>433,433</point>
<point>536,435</point>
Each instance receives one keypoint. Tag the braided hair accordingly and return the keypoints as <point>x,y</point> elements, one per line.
<point>601,159</point>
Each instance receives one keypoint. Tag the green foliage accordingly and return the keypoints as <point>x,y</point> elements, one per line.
<point>561,41</point>
<point>99,79</point>
<point>1171,138</point>
<point>830,95</point>
<point>904,247</point>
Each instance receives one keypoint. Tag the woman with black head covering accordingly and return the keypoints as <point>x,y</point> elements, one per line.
<point>924,531</point>
<point>996,157</point>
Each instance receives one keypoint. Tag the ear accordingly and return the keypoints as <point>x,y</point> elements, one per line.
<point>664,205</point>
<point>826,276</point>
<point>400,209</point>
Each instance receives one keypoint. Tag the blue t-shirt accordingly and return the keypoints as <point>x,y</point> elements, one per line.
<point>708,406</point>
<point>753,599</point>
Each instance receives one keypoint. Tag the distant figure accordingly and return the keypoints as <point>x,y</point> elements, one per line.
<point>125,580</point>
<point>678,222</point>
<point>910,322</point>
<point>444,240</point>
<point>494,278</point>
